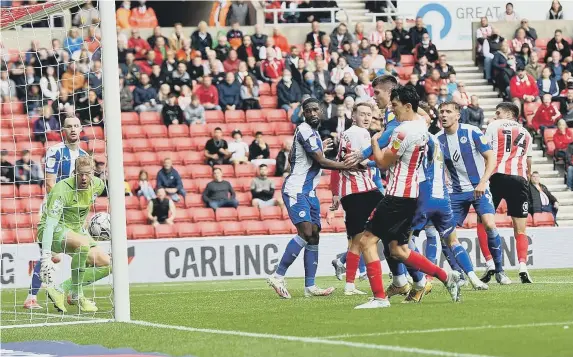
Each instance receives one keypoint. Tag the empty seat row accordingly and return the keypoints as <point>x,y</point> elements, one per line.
<point>184,144</point>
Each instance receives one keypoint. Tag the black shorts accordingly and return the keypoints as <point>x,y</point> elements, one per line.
<point>392,219</point>
<point>514,190</point>
<point>358,207</point>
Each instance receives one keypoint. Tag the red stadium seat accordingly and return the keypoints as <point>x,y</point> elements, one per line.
<point>185,171</point>
<point>242,184</point>
<point>324,196</point>
<point>147,118</point>
<point>530,220</point>
<point>98,147</point>
<point>234,116</point>
<point>198,130</point>
<point>132,202</point>
<point>203,215</point>
<point>101,204</point>
<point>194,201</point>
<point>245,171</point>
<point>201,184</point>
<point>163,144</point>
<point>244,198</point>
<point>327,228</point>
<point>283,128</point>
<point>16,121</point>
<point>25,235</point>
<point>245,128</point>
<point>544,219</point>
<point>11,108</point>
<point>275,115</point>
<point>178,131</point>
<point>277,227</point>
<point>324,183</point>
<point>202,171</point>
<point>130,118</point>
<point>148,159</point>
<point>274,88</point>
<point>136,216</point>
<point>17,221</point>
<point>11,206</point>
<point>339,225</point>
<point>225,214</point>
<point>268,213</point>
<point>265,128</point>
<point>165,231</point>
<point>407,60</point>
<point>404,72</point>
<point>182,144</point>
<point>248,213</point>
<point>23,134</point>
<point>548,134</point>
<point>175,157</point>
<point>133,132</point>
<point>502,208</point>
<point>255,116</point>
<point>233,229</point>
<point>138,145</point>
<point>28,191</point>
<point>93,132</point>
<point>8,236</point>
<point>34,147</point>
<point>550,148</point>
<point>268,102</point>
<point>158,131</point>
<point>541,43</point>
<point>190,186</point>
<point>184,215</point>
<point>471,221</point>
<point>211,229</point>
<point>198,143</point>
<point>228,170</point>
<point>264,89</point>
<point>187,230</point>
<point>255,228</point>
<point>503,221</point>
<point>214,116</point>
<point>193,157</point>
<point>142,231</point>
<point>131,173</point>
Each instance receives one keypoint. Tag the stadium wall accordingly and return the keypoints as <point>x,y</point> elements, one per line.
<point>187,260</point>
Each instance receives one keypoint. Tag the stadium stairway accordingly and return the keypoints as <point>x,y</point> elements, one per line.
<point>356,11</point>
<point>550,177</point>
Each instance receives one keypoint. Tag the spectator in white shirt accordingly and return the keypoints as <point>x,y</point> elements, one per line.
<point>49,85</point>
<point>270,44</point>
<point>509,14</point>
<point>238,148</point>
<point>378,35</point>
<point>7,87</point>
<point>338,72</point>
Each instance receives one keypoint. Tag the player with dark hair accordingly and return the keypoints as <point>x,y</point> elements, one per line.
<point>470,162</point>
<point>391,220</point>
<point>511,144</point>
<point>299,194</point>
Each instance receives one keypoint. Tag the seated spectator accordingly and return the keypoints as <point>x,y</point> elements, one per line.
<point>509,14</point>
<point>311,87</point>
<point>555,66</point>
<point>522,57</point>
<point>90,111</point>
<point>208,94</point>
<point>541,200</point>
<point>216,149</point>
<point>254,70</point>
<point>180,77</point>
<point>271,68</point>
<point>533,68</point>
<point>422,69</point>
<point>504,75</point>
<point>186,53</point>
<point>238,148</point>
<point>250,94</point>
<point>143,16</point>
<point>349,86</point>
<point>499,62</point>
<point>229,93</point>
<point>559,44</point>
<point>315,36</point>
<point>288,92</point>
<point>299,71</point>
<point>426,48</point>
<point>222,49</point>
<point>377,61</point>
<point>73,42</point>
<point>243,72</point>
<point>402,37</point>
<point>433,83</point>
<point>308,53</point>
<point>418,85</point>
<point>169,179</point>
<point>523,88</point>
<point>138,44</point>
<point>152,40</point>
<point>546,115</point>
<point>194,112</point>
<point>6,168</point>
<point>161,210</point>
<point>483,32</point>
<point>201,39</point>
<point>144,96</point>
<point>520,40</point>
<point>259,39</point>
<point>150,60</point>
<point>259,152</point>
<point>444,68</point>
<point>130,69</point>
<point>219,192</point>
<point>474,114</point>
<point>270,45</point>
<point>546,84</point>
<point>366,68</point>
<point>169,63</point>
<point>556,11</point>
<point>280,40</point>
<point>163,95</point>
<point>263,190</point>
<point>569,106</point>
<point>144,189</point>
<point>461,96</point>
<point>562,139</point>
<point>7,87</point>
<point>452,84</point>
<point>157,78</point>
<point>339,95</point>
<point>122,15</point>
<point>564,83</point>
<point>171,112</point>
<point>443,95</point>
<point>27,171</point>
<point>417,33</point>
<point>338,72</point>
<point>247,49</point>
<point>72,79</point>
<point>47,126</point>
<point>34,99</point>
<point>62,104</point>
<point>334,57</point>
<point>379,35</point>
<point>48,84</point>
<point>353,58</point>
<point>231,64</point>
<point>235,35</point>
<point>530,32</point>
<point>322,76</point>
<point>282,160</point>
<point>100,172</point>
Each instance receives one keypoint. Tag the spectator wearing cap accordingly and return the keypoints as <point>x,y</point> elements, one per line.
<point>426,48</point>
<point>201,39</point>
<point>208,94</point>
<point>263,190</point>
<point>194,112</point>
<point>288,92</point>
<point>231,64</point>
<point>238,148</point>
<point>417,33</point>
<point>259,152</point>
<point>546,115</point>
<point>523,88</point>
<point>6,168</point>
<point>229,93</point>
<point>235,35</point>
<point>27,171</point>
<point>171,112</point>
<point>216,149</point>
<point>144,96</point>
<point>219,193</point>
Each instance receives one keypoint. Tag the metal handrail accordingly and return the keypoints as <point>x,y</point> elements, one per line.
<point>332,11</point>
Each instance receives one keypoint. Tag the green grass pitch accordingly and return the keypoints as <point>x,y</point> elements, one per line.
<point>195,319</point>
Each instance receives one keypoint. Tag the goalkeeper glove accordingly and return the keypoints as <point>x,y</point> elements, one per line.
<point>47,269</point>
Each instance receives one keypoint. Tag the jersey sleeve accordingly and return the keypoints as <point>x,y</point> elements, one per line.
<point>52,161</point>
<point>383,142</point>
<point>98,186</point>
<point>398,142</point>
<point>491,133</point>
<point>530,141</point>
<point>480,141</point>
<point>310,143</point>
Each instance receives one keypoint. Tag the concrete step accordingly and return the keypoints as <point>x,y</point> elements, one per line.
<point>477,82</point>
<point>552,181</point>
<point>557,188</point>
<point>464,69</point>
<point>488,101</point>
<point>488,107</point>
<point>468,75</point>
<point>360,18</point>
<point>347,5</point>
<point>552,173</point>
<point>483,94</point>
<point>541,160</point>
<point>563,196</point>
<point>542,167</point>
<point>565,201</point>
<point>474,88</point>
<point>564,209</point>
<point>564,222</point>
<point>564,217</point>
<point>457,64</point>
<point>537,153</point>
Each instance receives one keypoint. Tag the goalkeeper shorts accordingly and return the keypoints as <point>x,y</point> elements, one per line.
<point>59,239</point>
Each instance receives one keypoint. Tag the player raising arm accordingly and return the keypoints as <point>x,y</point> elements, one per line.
<point>299,195</point>
<point>511,144</point>
<point>61,230</point>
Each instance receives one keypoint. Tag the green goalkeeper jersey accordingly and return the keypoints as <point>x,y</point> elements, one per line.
<point>70,206</point>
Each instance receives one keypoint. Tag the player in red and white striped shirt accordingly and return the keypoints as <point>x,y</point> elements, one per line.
<point>391,220</point>
<point>512,144</point>
<point>356,191</point>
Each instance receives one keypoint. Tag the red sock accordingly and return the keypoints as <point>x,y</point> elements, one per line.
<point>352,261</point>
<point>522,247</point>
<point>482,238</point>
<point>418,261</point>
<point>374,271</point>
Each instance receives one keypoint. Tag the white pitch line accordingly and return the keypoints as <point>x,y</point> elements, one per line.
<point>48,314</point>
<point>469,328</point>
<point>190,291</point>
<point>411,350</point>
<point>50,324</point>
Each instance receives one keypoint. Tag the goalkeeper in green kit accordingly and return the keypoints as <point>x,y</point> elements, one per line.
<point>62,230</point>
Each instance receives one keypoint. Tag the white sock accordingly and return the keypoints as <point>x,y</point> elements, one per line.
<point>309,287</point>
<point>522,267</point>
<point>349,286</point>
<point>278,276</point>
<point>473,277</point>
<point>399,280</point>
<point>30,296</point>
<point>420,284</point>
<point>490,264</point>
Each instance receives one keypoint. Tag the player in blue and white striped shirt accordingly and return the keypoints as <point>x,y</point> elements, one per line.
<point>470,162</point>
<point>60,162</point>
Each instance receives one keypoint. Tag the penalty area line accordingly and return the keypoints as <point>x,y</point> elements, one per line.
<point>450,329</point>
<point>312,340</point>
<point>60,323</point>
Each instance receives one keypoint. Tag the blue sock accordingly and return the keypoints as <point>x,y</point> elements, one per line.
<point>362,265</point>
<point>292,251</point>
<point>431,244</point>
<point>447,252</point>
<point>462,258</point>
<point>494,244</point>
<point>343,258</point>
<point>36,282</point>
<point>310,264</point>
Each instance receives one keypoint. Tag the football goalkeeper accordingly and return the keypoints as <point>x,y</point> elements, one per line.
<point>62,230</point>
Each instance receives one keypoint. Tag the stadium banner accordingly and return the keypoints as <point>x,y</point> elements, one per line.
<point>198,259</point>
<point>449,22</point>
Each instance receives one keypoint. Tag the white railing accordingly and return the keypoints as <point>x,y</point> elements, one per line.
<point>333,11</point>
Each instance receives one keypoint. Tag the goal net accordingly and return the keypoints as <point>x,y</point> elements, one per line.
<point>51,91</point>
